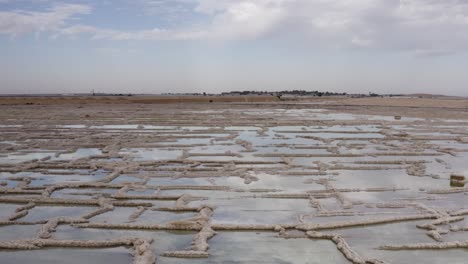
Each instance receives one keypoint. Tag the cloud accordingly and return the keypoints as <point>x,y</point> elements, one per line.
<point>420,26</point>
<point>18,22</point>
<point>247,18</point>
<point>228,20</point>
<point>150,34</point>
<point>167,8</point>
<point>33,1</point>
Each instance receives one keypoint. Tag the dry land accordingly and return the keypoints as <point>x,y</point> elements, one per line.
<point>253,179</point>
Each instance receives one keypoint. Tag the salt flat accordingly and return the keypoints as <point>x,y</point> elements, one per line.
<point>270,182</point>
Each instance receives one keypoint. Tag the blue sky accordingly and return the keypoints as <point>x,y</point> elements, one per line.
<point>159,46</point>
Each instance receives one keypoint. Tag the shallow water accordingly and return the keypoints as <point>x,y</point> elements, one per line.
<point>245,247</point>
<point>69,256</point>
<point>251,167</point>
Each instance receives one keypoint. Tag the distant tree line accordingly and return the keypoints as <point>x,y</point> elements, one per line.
<point>285,92</point>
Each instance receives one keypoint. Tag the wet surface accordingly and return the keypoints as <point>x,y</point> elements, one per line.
<point>69,256</point>
<point>231,185</point>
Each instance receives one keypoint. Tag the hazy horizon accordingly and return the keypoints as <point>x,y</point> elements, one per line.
<point>214,46</point>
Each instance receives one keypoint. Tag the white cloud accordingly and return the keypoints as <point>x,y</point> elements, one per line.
<point>247,18</point>
<point>421,26</point>
<point>425,26</point>
<point>150,34</point>
<point>167,8</point>
<point>20,22</point>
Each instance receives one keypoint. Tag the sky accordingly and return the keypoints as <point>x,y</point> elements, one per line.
<point>177,46</point>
